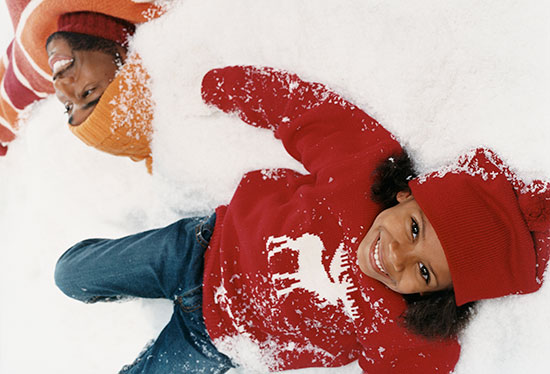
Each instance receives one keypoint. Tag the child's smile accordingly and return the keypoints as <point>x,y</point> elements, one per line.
<point>401,250</point>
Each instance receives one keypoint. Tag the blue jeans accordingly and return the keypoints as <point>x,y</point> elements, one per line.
<point>162,263</point>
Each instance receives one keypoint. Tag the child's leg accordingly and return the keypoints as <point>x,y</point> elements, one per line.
<point>183,346</point>
<point>151,264</point>
<point>162,263</point>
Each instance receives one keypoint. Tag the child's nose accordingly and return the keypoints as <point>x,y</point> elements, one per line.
<point>399,254</point>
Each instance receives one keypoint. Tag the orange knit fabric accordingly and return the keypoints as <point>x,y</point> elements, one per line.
<point>121,122</point>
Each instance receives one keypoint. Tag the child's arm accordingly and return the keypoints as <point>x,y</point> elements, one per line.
<point>258,95</point>
<point>416,356</point>
<point>316,125</point>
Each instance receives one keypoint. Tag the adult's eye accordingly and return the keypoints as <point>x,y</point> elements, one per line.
<point>87,93</point>
<point>415,230</point>
<point>68,107</point>
<point>424,272</point>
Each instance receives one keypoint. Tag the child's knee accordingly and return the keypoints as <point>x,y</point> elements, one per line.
<point>67,280</point>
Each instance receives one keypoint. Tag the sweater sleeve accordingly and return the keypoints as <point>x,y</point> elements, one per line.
<point>414,355</point>
<point>20,86</point>
<point>14,96</point>
<point>316,125</point>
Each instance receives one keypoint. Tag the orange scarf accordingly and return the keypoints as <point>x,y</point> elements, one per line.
<point>121,122</point>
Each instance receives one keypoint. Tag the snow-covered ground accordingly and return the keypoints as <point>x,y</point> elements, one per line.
<point>444,76</point>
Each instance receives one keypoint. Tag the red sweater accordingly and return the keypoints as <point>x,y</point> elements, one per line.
<point>281,280</point>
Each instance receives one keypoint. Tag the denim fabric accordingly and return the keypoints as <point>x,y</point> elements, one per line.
<point>162,263</point>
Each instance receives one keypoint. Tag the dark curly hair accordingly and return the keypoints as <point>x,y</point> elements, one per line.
<point>85,42</point>
<point>433,315</point>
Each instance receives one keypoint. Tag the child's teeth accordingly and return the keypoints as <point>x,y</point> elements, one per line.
<point>377,257</point>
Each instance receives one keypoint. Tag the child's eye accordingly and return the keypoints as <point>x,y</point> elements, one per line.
<point>415,230</point>
<point>424,272</point>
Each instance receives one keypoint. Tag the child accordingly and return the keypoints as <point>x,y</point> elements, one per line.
<point>309,270</point>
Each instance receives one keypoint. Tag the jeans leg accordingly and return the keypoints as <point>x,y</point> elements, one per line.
<point>183,346</point>
<point>162,263</point>
<point>150,264</point>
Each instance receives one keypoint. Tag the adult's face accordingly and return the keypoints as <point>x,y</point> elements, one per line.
<point>79,77</point>
<point>401,250</point>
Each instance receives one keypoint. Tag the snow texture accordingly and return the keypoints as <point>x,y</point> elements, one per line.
<point>443,76</point>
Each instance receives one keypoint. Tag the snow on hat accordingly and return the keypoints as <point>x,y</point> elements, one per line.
<point>96,24</point>
<point>494,229</point>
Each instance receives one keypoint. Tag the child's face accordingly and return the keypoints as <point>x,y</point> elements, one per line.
<point>401,250</point>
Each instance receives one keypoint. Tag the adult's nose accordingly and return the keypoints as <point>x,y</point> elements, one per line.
<point>70,84</point>
<point>66,85</point>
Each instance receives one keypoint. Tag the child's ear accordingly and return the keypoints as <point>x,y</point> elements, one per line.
<point>403,196</point>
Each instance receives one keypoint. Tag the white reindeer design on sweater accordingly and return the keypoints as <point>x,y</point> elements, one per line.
<point>329,287</point>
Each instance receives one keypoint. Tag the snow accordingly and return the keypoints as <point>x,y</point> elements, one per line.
<point>444,77</point>
<point>250,356</point>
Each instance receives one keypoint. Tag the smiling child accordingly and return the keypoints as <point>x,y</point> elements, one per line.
<point>358,259</point>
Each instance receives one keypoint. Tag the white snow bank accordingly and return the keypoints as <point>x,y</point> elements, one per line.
<point>443,76</point>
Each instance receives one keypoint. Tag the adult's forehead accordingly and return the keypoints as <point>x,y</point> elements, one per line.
<point>41,18</point>
<point>56,43</point>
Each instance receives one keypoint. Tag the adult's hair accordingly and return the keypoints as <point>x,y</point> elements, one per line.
<point>85,42</point>
<point>433,315</point>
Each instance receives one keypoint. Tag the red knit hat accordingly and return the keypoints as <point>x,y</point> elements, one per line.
<point>494,229</point>
<point>97,24</point>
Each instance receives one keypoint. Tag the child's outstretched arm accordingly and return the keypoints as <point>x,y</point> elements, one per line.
<point>395,349</point>
<point>315,124</point>
<point>259,96</point>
